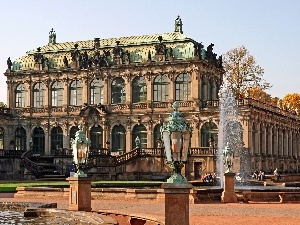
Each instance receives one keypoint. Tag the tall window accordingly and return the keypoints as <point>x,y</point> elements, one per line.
<point>161,89</point>
<point>57,93</point>
<point>73,131</point>
<point>96,136</point>
<point>141,132</point>
<point>56,138</point>
<point>38,140</point>
<point>209,132</point>
<point>157,135</point>
<point>204,90</point>
<point>20,139</point>
<point>38,94</point>
<point>1,138</point>
<point>118,91</point>
<point>96,91</point>
<point>118,139</point>
<point>76,93</point>
<point>183,87</point>
<point>20,95</point>
<point>139,89</point>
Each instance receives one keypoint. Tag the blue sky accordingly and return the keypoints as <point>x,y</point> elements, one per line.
<point>269,29</point>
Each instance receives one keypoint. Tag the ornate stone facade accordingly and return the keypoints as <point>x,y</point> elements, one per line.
<point>123,88</point>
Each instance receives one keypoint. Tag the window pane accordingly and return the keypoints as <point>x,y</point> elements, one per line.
<point>161,89</point>
<point>20,139</point>
<point>56,138</point>
<point>118,138</point>
<point>118,91</point>
<point>183,87</point>
<point>96,136</point>
<point>38,95</point>
<point>76,93</point>
<point>20,95</point>
<point>139,89</point>
<point>57,93</point>
<point>141,132</point>
<point>96,92</point>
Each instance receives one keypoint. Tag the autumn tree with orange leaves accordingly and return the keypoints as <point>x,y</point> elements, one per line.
<point>292,101</point>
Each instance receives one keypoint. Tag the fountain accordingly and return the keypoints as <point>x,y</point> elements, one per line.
<point>230,130</point>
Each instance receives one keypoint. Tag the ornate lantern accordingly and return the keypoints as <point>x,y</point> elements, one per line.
<point>176,136</point>
<point>228,157</point>
<point>80,151</point>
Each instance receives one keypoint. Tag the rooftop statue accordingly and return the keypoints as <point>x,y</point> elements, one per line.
<point>161,47</point>
<point>9,63</point>
<point>52,37</point>
<point>178,25</point>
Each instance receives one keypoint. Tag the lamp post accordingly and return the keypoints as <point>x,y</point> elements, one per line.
<point>176,136</point>
<point>80,151</point>
<point>80,184</point>
<point>228,195</point>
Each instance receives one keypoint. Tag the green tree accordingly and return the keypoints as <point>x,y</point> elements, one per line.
<point>3,105</point>
<point>242,72</point>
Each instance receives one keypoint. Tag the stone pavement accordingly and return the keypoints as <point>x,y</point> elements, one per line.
<point>200,214</point>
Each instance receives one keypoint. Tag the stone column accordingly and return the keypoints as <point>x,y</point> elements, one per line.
<point>176,203</point>
<point>66,94</point>
<point>85,91</point>
<point>80,194</point>
<point>229,195</point>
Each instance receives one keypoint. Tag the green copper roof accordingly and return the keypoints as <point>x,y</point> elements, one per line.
<point>138,46</point>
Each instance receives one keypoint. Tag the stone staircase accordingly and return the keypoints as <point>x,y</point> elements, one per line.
<point>43,168</point>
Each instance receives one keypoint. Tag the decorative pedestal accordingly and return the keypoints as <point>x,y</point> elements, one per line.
<point>80,193</point>
<point>229,195</point>
<point>176,203</point>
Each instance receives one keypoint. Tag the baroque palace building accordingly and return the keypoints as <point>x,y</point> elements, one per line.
<point>121,90</point>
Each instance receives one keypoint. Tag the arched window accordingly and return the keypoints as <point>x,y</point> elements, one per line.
<point>56,139</point>
<point>118,139</point>
<point>139,89</point>
<point>204,90</point>
<point>57,93</point>
<point>20,139</point>
<point>118,94</point>
<point>141,132</point>
<point>20,96</point>
<point>76,93</point>
<point>96,91</point>
<point>183,87</point>
<point>161,89</point>
<point>157,135</point>
<point>38,94</point>
<point>1,138</point>
<point>209,134</point>
<point>38,141</point>
<point>96,136</point>
<point>73,131</point>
